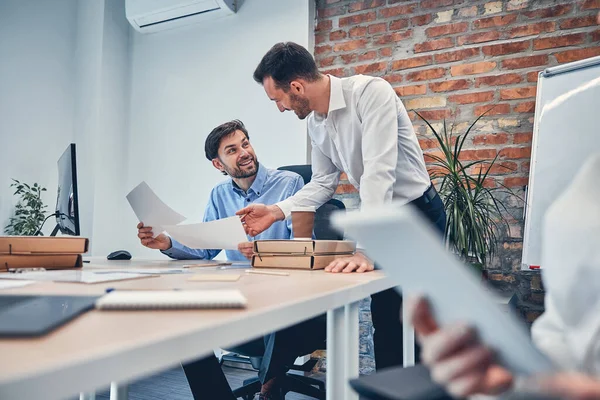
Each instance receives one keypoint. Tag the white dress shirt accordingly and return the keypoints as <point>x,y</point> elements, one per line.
<point>368,135</point>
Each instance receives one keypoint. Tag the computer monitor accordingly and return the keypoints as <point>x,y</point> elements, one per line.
<point>67,202</point>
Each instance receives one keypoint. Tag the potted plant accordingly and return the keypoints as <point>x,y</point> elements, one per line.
<point>29,212</point>
<point>474,210</point>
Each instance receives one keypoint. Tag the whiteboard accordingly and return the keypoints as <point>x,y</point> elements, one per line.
<point>566,131</point>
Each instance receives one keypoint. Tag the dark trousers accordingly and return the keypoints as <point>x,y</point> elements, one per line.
<point>386,305</point>
<point>278,350</point>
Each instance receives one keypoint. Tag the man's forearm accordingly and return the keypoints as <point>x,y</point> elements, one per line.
<point>277,213</point>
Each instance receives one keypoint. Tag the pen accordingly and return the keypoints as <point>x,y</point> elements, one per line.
<point>253,271</point>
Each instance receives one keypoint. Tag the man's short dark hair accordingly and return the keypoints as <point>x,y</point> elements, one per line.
<point>213,141</point>
<point>286,62</point>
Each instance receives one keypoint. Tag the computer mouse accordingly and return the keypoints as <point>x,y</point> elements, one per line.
<point>119,255</point>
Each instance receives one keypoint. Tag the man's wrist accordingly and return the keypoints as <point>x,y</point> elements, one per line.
<point>277,213</point>
<point>169,245</point>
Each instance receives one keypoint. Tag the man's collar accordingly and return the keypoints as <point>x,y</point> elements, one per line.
<point>259,181</point>
<point>336,94</point>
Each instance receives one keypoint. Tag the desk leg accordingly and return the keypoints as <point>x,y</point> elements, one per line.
<point>87,396</point>
<point>352,346</point>
<point>118,391</point>
<point>336,357</point>
<point>408,338</point>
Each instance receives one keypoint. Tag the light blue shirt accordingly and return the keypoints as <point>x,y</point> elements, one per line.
<point>270,186</point>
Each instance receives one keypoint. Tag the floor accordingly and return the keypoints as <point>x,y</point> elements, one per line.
<point>172,385</point>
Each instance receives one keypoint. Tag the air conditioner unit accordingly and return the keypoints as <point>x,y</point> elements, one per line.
<point>156,15</point>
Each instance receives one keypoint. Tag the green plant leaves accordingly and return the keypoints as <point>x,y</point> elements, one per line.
<point>29,211</point>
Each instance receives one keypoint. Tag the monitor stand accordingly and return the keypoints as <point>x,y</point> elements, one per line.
<point>55,230</point>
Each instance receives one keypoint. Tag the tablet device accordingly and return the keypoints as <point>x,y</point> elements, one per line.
<point>408,250</point>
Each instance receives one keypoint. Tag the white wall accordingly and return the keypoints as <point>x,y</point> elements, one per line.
<point>138,106</point>
<point>187,81</point>
<point>36,95</point>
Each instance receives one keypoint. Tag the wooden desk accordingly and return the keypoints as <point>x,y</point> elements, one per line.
<point>117,346</point>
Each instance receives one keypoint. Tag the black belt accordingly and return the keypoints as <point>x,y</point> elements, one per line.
<point>427,197</point>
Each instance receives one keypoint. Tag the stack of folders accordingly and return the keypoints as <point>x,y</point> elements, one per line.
<point>18,252</point>
<point>300,254</point>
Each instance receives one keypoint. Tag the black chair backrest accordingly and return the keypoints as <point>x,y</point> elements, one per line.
<point>323,229</point>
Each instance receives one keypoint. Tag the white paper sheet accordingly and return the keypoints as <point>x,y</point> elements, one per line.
<point>13,284</point>
<point>73,276</point>
<point>151,210</point>
<point>224,233</point>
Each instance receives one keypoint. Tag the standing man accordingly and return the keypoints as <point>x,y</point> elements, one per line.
<point>359,126</point>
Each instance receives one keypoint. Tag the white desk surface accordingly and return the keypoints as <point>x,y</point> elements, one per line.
<point>103,346</point>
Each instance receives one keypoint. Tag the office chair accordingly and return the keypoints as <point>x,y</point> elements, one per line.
<point>294,382</point>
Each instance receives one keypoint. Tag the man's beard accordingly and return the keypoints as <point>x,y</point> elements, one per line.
<point>239,173</point>
<point>300,106</point>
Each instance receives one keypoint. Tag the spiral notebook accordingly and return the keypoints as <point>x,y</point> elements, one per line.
<point>171,299</point>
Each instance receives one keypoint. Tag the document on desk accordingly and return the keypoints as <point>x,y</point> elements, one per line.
<point>12,284</point>
<point>151,210</point>
<point>74,276</point>
<point>224,233</point>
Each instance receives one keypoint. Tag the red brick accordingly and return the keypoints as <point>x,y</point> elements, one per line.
<point>499,168</point>
<point>411,62</point>
<point>369,55</point>
<point>525,166</point>
<point>421,20</point>
<point>494,109</point>
<point>472,69</point>
<point>432,45</point>
<point>398,24</point>
<point>339,72</point>
<point>370,68</point>
<point>337,35</point>
<point>590,4</point>
<point>500,138</point>
<point>324,25</point>
<point>326,62</point>
<point>527,107</point>
<point>330,12</point>
<point>350,45</point>
<point>449,86</point>
<point>470,98</point>
<point>595,36</point>
<point>516,181</point>
<point>517,93</point>
<point>357,31</point>
<point>458,55</point>
<point>532,76</point>
<point>411,90</point>
<point>497,80</point>
<point>525,62</point>
<point>578,22</point>
<point>394,78</point>
<point>522,137</point>
<point>558,41</point>
<point>435,3</point>
<point>479,37</point>
<point>397,10</point>
<point>428,143</point>
<point>429,155</point>
<point>449,29</point>
<point>515,152</point>
<point>435,115</point>
<point>346,188</point>
<point>574,55</point>
<point>358,19</point>
<point>427,74</point>
<point>549,12</point>
<point>531,29</point>
<point>349,58</point>
<point>343,176</point>
<point>321,38</point>
<point>393,38</point>
<point>364,5</point>
<point>478,154</point>
<point>377,28</point>
<point>332,1</point>
<point>493,22</point>
<point>322,49</point>
<point>386,52</point>
<point>505,48</point>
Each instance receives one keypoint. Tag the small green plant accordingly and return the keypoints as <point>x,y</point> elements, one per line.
<point>29,212</point>
<point>474,211</point>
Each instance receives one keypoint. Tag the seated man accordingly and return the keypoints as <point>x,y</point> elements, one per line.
<point>229,149</point>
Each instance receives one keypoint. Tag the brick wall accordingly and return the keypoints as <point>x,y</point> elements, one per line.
<point>454,59</point>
